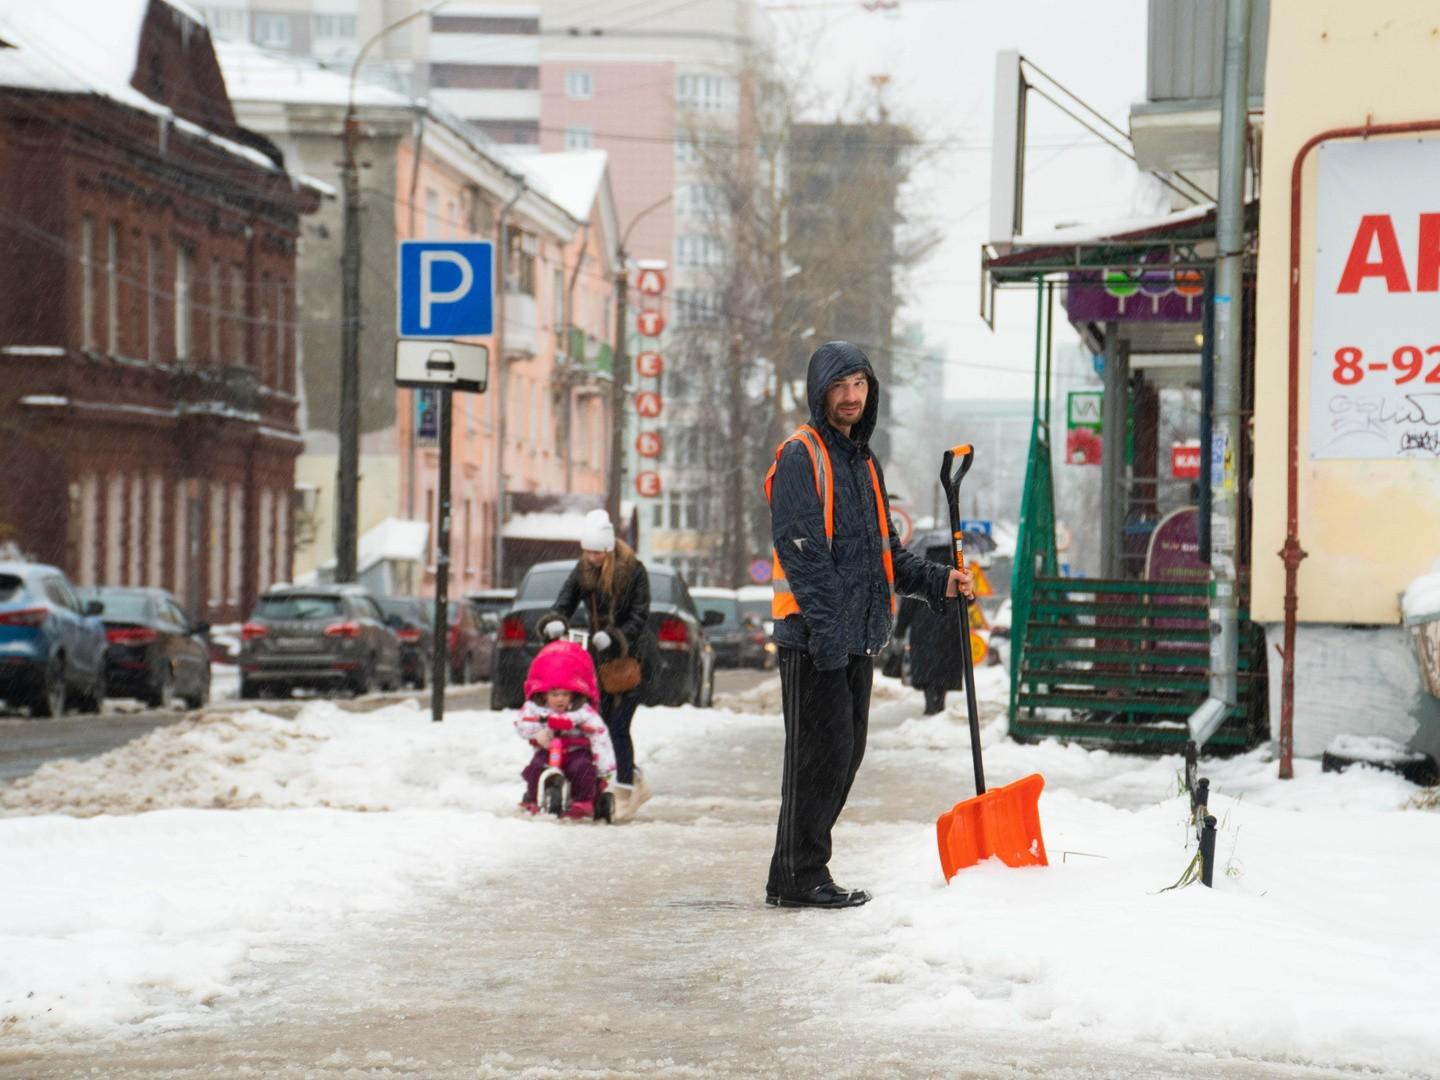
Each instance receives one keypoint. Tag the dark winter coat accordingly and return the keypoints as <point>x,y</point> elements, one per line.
<point>841,589</point>
<point>935,659</point>
<point>626,615</point>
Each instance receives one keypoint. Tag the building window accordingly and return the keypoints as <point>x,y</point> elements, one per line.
<point>484,77</point>
<point>184,264</point>
<point>432,214</point>
<point>112,289</point>
<point>89,529</point>
<point>267,502</point>
<point>332,26</point>
<point>214,312</point>
<point>217,545</point>
<point>263,341</point>
<point>522,251</point>
<point>282,336</point>
<point>152,301</point>
<point>87,282</point>
<point>237,306</point>
<point>114,529</point>
<point>272,31</point>
<point>483,24</point>
<point>579,86</point>
<point>137,529</point>
<point>698,249</point>
<point>557,301</point>
<point>180,519</point>
<point>236,544</point>
<point>282,538</point>
<point>227,22</point>
<point>155,549</point>
<point>579,137</point>
<point>510,132</point>
<point>708,92</point>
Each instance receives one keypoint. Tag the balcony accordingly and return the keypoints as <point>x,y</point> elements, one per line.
<point>522,325</point>
<point>221,391</point>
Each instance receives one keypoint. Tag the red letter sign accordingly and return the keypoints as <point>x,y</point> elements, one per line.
<point>1374,228</point>
<point>650,323</point>
<point>649,444</point>
<point>648,404</point>
<point>648,484</point>
<point>650,282</point>
<point>650,365</point>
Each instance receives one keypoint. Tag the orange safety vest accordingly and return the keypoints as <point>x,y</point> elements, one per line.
<point>784,603</point>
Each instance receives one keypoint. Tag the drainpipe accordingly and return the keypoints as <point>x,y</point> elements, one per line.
<point>567,383</point>
<point>501,382</point>
<point>1226,420</point>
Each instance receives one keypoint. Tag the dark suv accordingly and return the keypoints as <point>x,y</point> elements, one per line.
<point>331,637</point>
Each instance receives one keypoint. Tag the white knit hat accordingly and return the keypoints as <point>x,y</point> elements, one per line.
<point>597,534</point>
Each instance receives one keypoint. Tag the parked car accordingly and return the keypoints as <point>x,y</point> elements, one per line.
<point>416,636</point>
<point>491,601</point>
<point>755,601</point>
<point>471,649</point>
<point>329,637</point>
<point>686,668</point>
<point>155,652</point>
<point>52,646</point>
<point>739,640</point>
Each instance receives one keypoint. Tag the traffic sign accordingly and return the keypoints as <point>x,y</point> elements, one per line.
<point>648,404</point>
<point>453,365</point>
<point>648,484</point>
<point>650,323</point>
<point>650,282</point>
<point>649,444</point>
<point>650,365</point>
<point>446,288</point>
<point>761,572</point>
<point>975,525</point>
<point>904,524</point>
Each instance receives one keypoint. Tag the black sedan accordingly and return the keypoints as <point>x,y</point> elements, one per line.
<point>686,668</point>
<point>413,622</point>
<point>154,652</point>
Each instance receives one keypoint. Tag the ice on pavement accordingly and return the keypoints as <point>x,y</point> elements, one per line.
<point>155,878</point>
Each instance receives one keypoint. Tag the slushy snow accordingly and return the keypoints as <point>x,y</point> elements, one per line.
<point>156,878</point>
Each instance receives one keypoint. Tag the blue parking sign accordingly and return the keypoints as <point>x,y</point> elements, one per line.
<point>446,288</point>
<point>975,525</point>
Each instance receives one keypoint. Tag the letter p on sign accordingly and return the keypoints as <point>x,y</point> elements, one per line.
<point>446,289</point>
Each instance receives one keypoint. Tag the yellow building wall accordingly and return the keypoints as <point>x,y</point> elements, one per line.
<point>378,500</point>
<point>1369,526</point>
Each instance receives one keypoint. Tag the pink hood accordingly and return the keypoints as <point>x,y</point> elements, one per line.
<point>563,665</point>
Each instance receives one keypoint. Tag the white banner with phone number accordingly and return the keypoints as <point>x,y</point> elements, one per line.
<point>1375,360</point>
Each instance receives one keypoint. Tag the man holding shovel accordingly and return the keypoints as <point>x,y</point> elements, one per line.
<point>838,566</point>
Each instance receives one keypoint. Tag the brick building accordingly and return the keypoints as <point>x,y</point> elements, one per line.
<point>148,355</point>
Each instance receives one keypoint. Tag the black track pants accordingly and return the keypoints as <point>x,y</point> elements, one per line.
<point>826,717</point>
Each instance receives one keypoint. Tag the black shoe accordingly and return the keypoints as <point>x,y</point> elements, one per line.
<point>828,895</point>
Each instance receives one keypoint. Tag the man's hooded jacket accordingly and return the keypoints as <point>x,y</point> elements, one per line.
<point>841,588</point>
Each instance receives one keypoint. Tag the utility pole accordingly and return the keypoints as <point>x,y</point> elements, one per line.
<point>347,479</point>
<point>440,659</point>
<point>347,471</point>
<point>1226,424</point>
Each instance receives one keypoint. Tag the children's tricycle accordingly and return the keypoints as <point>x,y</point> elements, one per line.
<point>552,789</point>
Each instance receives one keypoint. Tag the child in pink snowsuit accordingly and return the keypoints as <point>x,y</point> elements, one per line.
<point>560,692</point>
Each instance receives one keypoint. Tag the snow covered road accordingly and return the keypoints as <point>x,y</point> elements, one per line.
<point>352,895</point>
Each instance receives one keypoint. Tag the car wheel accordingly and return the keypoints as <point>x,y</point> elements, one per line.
<point>360,683</point>
<point>49,697</point>
<point>249,691</point>
<point>93,702</point>
<point>709,691</point>
<point>162,694</point>
<point>422,675</point>
<point>201,697</point>
<point>467,670</point>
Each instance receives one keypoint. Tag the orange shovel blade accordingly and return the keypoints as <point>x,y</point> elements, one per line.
<point>1004,822</point>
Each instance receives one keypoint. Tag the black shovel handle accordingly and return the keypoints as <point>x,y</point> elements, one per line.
<point>966,453</point>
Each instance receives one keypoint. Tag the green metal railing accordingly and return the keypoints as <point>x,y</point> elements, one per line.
<point>1035,555</point>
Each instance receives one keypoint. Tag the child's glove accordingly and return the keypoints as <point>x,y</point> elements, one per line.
<point>553,629</point>
<point>559,723</point>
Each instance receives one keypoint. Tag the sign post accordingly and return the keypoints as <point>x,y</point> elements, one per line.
<point>447,291</point>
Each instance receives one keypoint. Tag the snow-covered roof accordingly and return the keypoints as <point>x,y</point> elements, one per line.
<point>393,540</point>
<point>1421,601</point>
<point>570,179</point>
<point>92,47</point>
<point>546,525</point>
<point>1094,232</point>
<point>256,74</point>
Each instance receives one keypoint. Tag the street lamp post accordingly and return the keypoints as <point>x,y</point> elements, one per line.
<point>347,479</point>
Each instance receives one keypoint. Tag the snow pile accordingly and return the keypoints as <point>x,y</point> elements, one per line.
<point>1374,748</point>
<point>1422,597</point>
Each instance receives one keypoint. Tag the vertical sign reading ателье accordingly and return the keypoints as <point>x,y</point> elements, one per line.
<point>1375,342</point>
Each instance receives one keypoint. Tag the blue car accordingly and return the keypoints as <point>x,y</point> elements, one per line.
<point>52,647</point>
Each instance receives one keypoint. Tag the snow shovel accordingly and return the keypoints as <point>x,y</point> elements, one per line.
<point>1004,823</point>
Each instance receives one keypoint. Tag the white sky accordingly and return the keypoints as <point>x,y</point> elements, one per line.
<point>940,57</point>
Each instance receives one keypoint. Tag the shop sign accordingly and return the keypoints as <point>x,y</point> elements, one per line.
<point>648,484</point>
<point>648,404</point>
<point>650,365</point>
<point>1185,462</point>
<point>649,444</point>
<point>650,323</point>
